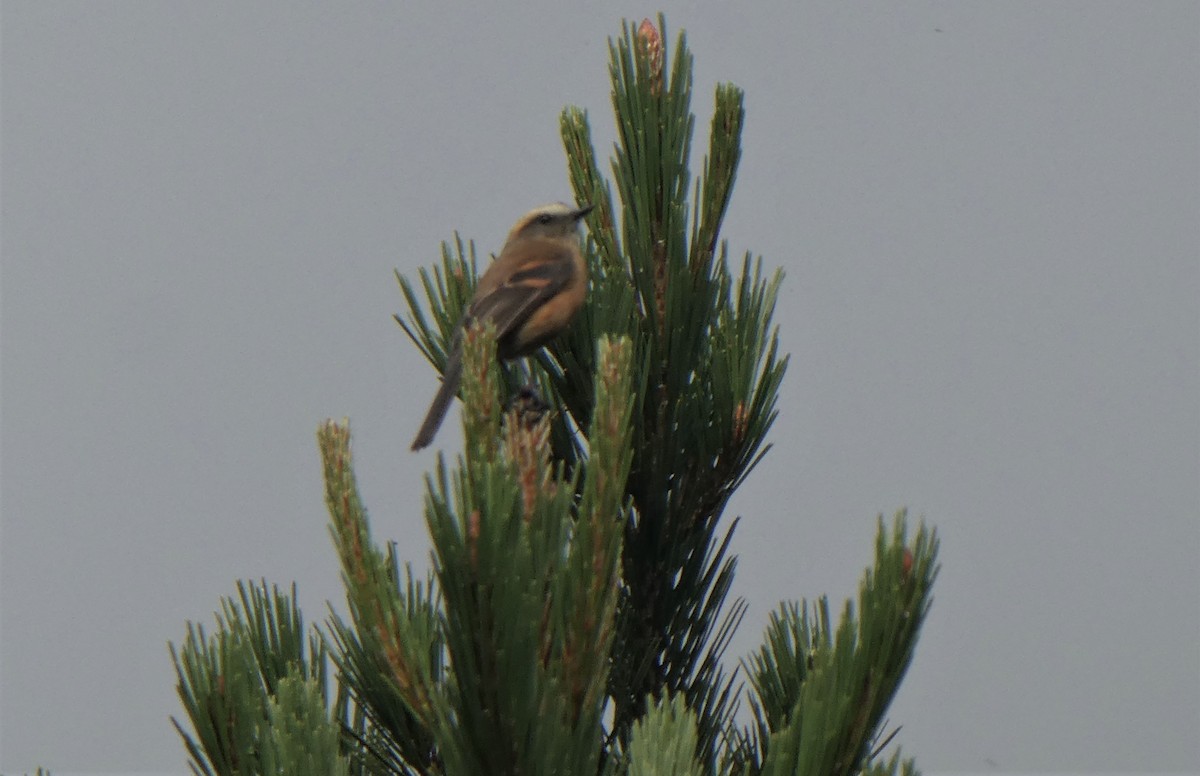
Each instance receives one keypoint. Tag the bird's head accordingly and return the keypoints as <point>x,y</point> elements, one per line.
<point>554,220</point>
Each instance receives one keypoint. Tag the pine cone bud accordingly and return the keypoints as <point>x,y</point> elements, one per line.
<point>741,421</point>
<point>651,45</point>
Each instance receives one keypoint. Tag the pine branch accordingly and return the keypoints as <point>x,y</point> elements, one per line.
<point>580,570</point>
<point>298,738</point>
<point>527,576</point>
<point>390,657</point>
<point>664,741</point>
<point>707,368</point>
<point>821,693</point>
<point>705,363</point>
<point>447,289</point>
<point>257,678</point>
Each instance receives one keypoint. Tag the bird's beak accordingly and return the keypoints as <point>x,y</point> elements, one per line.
<point>583,211</point>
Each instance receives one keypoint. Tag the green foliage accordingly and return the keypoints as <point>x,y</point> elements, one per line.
<point>239,686</point>
<point>390,655</point>
<point>576,614</point>
<point>526,561</point>
<point>297,737</point>
<point>820,693</point>
<point>664,741</point>
<point>706,369</point>
<point>709,372</point>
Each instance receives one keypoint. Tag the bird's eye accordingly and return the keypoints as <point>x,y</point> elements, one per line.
<point>544,219</point>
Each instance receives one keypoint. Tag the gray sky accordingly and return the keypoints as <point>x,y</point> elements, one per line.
<point>989,216</point>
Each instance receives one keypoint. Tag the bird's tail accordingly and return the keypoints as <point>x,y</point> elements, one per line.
<point>451,377</point>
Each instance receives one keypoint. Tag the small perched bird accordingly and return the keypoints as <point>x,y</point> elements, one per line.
<point>528,406</point>
<point>530,293</point>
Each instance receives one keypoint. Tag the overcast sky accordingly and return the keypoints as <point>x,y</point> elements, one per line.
<point>989,217</point>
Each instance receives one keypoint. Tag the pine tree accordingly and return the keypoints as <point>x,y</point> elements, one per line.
<point>577,613</point>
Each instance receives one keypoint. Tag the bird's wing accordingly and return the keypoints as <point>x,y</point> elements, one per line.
<point>509,304</point>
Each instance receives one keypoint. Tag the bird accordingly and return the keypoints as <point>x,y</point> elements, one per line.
<point>529,294</point>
